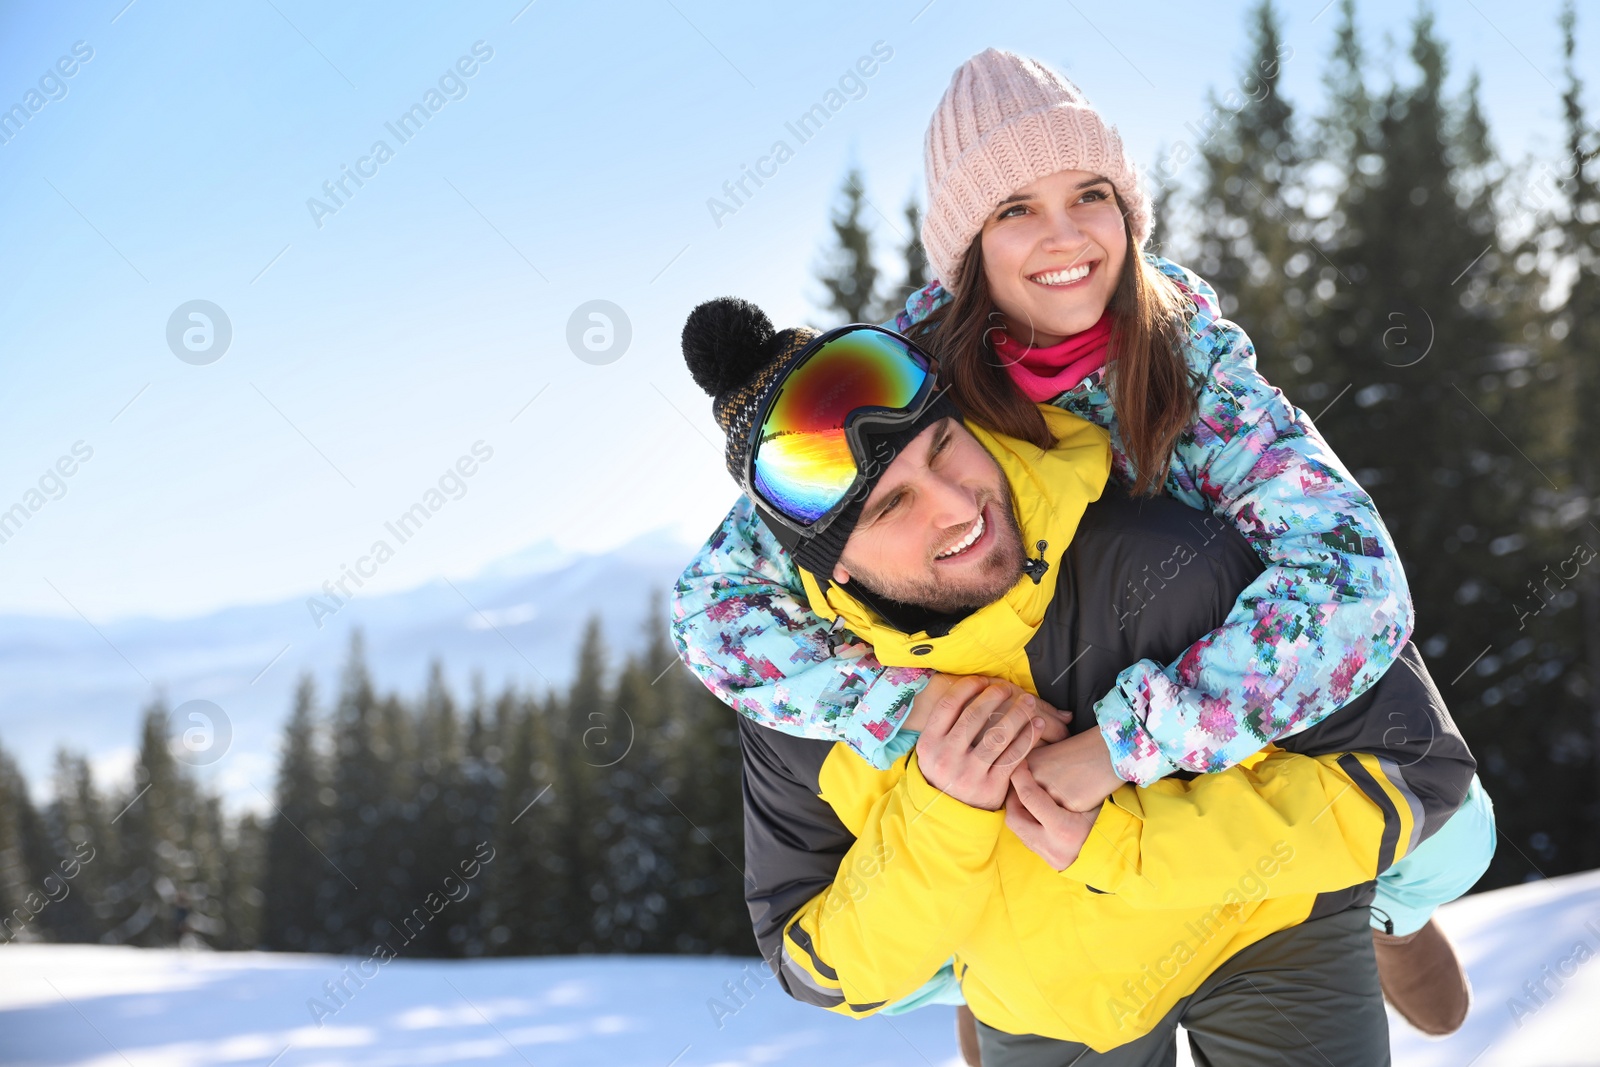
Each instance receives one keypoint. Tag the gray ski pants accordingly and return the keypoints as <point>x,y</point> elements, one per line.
<point>1305,995</point>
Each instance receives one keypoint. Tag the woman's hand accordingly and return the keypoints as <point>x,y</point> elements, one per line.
<point>1051,831</point>
<point>1077,772</point>
<point>922,707</point>
<point>1055,722</point>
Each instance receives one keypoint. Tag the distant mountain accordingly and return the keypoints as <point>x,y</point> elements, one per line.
<point>517,622</point>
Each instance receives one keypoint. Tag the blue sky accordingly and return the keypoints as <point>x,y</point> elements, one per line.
<point>375,345</point>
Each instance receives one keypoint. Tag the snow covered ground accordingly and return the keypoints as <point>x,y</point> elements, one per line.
<point>94,1006</point>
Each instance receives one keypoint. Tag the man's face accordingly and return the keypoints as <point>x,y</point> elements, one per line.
<point>938,530</point>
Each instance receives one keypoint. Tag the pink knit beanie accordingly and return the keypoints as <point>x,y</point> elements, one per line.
<point>1006,121</point>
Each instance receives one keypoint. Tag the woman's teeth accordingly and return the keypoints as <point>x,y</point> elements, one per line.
<point>1063,277</point>
<point>966,542</point>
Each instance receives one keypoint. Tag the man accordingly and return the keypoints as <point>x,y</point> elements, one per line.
<point>1234,903</point>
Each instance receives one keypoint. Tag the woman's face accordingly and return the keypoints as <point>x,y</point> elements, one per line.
<point>1036,245</point>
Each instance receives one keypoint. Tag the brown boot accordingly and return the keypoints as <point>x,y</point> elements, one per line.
<point>967,1036</point>
<point>1422,979</point>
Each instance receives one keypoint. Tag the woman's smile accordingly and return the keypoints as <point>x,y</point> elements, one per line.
<point>1060,278</point>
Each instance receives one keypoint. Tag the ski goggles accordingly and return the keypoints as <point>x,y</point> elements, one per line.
<point>808,458</point>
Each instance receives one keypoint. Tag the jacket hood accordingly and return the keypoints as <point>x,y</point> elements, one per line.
<point>1050,489</point>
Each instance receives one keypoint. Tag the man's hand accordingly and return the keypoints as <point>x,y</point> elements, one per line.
<point>1055,722</point>
<point>977,734</point>
<point>1051,831</point>
<point>1077,772</point>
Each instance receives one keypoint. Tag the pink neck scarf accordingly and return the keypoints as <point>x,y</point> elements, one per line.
<point>1045,373</point>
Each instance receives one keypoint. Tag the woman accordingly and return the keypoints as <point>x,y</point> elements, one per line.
<point>1035,225</point>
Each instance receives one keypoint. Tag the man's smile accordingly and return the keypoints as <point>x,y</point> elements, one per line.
<point>974,536</point>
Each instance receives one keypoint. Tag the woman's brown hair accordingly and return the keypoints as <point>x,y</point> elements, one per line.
<point>1151,389</point>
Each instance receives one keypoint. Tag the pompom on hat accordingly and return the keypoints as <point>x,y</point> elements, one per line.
<point>1006,121</point>
<point>735,355</point>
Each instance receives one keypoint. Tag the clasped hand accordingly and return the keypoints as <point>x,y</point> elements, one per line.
<point>988,744</point>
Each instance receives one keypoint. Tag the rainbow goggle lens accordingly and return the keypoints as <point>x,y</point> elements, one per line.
<point>807,452</point>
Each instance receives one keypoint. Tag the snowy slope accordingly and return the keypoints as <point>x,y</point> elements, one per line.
<point>168,1009</point>
<point>93,1006</point>
<point>1515,938</point>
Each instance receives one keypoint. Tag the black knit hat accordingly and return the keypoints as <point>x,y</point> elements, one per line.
<point>736,356</point>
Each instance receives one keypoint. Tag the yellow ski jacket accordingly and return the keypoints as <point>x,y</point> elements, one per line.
<point>862,883</point>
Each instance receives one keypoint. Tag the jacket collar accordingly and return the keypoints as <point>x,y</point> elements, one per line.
<point>1050,490</point>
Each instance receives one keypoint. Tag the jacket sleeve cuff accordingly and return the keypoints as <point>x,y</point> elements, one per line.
<point>1110,854</point>
<point>945,812</point>
<point>1135,756</point>
<point>872,728</point>
<point>899,745</point>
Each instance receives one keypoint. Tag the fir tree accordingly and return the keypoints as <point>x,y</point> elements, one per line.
<point>704,765</point>
<point>201,905</point>
<point>444,822</point>
<point>1574,333</point>
<point>850,275</point>
<point>152,816</point>
<point>636,853</point>
<point>1414,321</point>
<point>1161,242</point>
<point>482,778</point>
<point>83,851</point>
<point>362,781</point>
<point>396,862</point>
<point>241,899</point>
<point>297,881</point>
<point>580,738</point>
<point>525,880</point>
<point>1254,246</point>
<point>23,858</point>
<point>915,265</point>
